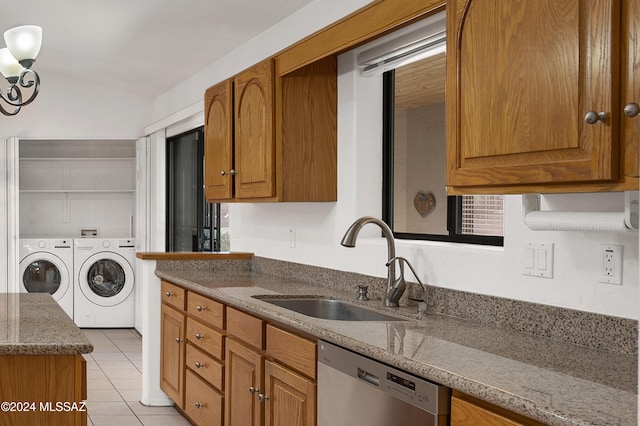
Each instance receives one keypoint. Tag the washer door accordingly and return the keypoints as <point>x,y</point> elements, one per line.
<point>106,278</point>
<point>44,273</point>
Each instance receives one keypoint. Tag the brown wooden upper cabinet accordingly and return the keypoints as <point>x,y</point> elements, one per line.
<point>536,92</point>
<point>273,139</point>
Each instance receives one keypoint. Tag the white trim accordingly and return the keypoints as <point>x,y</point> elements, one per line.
<point>183,114</point>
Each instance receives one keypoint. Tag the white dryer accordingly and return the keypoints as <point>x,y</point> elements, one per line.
<point>46,266</point>
<point>105,279</point>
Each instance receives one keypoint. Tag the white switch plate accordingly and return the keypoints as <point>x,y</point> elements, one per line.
<point>611,261</point>
<point>537,259</point>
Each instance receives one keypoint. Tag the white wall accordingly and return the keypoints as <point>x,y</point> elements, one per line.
<point>69,109</point>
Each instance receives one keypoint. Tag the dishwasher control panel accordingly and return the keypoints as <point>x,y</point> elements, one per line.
<point>422,393</point>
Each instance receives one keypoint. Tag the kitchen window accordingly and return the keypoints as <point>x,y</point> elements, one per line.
<point>415,202</point>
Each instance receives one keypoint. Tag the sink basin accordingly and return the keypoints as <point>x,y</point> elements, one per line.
<point>329,309</point>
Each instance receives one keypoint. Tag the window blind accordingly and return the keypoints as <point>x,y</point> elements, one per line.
<point>482,215</point>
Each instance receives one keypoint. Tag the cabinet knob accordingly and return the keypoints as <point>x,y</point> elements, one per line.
<point>222,173</point>
<point>198,405</point>
<point>233,171</point>
<point>178,340</point>
<point>262,397</point>
<point>168,294</point>
<point>199,365</point>
<point>592,117</point>
<point>199,336</point>
<point>631,110</point>
<point>253,390</point>
<point>200,308</point>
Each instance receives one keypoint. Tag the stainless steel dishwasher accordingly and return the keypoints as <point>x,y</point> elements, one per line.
<point>354,390</point>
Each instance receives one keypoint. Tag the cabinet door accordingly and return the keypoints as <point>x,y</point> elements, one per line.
<point>254,147</point>
<point>469,411</point>
<point>218,142</point>
<point>172,354</point>
<point>291,398</point>
<point>631,83</point>
<point>243,383</point>
<point>521,77</point>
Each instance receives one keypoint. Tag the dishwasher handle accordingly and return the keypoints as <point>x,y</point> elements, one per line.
<point>368,377</point>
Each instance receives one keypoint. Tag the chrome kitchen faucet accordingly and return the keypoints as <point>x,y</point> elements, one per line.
<point>395,286</point>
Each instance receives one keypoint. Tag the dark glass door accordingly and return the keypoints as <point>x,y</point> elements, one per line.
<point>189,216</point>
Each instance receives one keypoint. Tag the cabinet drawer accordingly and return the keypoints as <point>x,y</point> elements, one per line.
<point>205,366</point>
<point>292,350</point>
<point>204,338</point>
<point>205,309</point>
<point>245,327</point>
<point>203,404</point>
<point>173,295</point>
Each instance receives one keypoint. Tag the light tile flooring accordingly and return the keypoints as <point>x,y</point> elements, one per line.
<point>114,382</point>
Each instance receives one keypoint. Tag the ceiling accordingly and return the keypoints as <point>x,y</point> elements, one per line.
<point>420,83</point>
<point>142,46</point>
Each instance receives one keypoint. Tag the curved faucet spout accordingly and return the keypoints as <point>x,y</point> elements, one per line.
<point>394,289</point>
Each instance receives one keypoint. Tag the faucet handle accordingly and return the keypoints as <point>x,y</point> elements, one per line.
<point>362,293</point>
<point>422,305</point>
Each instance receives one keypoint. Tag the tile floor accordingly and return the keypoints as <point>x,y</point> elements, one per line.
<point>114,381</point>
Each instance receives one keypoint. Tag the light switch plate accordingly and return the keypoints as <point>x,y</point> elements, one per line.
<point>537,259</point>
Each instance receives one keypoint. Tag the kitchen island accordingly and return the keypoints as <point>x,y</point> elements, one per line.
<point>43,373</point>
<point>553,382</point>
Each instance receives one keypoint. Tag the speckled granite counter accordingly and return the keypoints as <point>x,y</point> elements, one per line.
<point>554,382</point>
<point>34,324</point>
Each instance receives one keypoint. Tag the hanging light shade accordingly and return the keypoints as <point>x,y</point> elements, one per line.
<point>23,45</point>
<point>24,42</point>
<point>9,65</point>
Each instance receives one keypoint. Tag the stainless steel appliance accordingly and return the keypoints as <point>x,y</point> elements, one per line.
<point>355,390</point>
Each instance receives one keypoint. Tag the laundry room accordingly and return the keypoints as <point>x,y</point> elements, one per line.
<point>76,216</point>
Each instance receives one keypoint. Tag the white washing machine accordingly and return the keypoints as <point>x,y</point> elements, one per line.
<point>46,266</point>
<point>105,279</point>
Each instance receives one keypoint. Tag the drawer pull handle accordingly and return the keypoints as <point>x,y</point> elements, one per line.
<point>178,340</point>
<point>199,365</point>
<point>199,336</point>
<point>168,294</point>
<point>200,308</point>
<point>198,405</point>
<point>253,390</point>
<point>262,397</point>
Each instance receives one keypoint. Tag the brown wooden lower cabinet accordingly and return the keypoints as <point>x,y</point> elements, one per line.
<point>243,384</point>
<point>172,354</point>
<point>202,403</point>
<point>291,397</point>
<point>223,366</point>
<point>49,388</point>
<point>469,411</point>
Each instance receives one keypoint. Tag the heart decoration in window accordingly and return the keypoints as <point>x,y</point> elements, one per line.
<point>425,203</point>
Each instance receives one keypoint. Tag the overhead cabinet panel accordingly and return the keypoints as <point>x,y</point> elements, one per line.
<point>254,132</point>
<point>218,146</point>
<point>533,92</point>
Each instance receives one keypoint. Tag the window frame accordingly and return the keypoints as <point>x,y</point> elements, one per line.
<point>454,203</point>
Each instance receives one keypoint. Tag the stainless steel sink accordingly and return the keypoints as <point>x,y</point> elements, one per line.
<point>328,309</point>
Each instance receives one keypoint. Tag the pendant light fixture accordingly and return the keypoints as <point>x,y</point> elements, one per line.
<point>23,44</point>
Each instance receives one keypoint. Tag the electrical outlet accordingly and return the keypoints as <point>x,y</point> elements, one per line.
<point>292,238</point>
<point>611,269</point>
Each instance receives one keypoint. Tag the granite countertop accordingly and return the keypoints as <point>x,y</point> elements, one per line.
<point>553,382</point>
<point>34,324</point>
